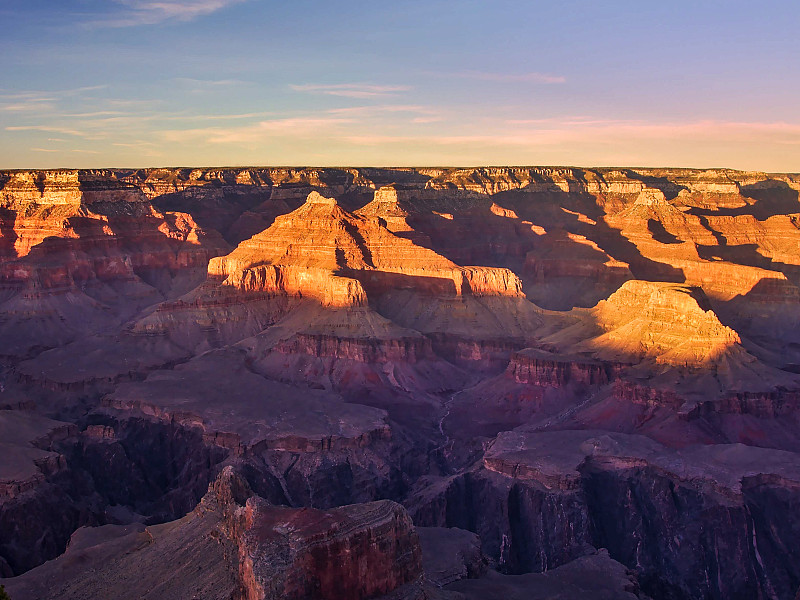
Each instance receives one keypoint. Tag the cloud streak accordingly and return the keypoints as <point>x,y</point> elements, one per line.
<point>154,12</point>
<point>378,109</point>
<point>48,129</point>
<point>351,90</point>
<point>210,82</point>
<point>31,101</point>
<point>313,126</point>
<point>394,132</point>
<point>531,77</point>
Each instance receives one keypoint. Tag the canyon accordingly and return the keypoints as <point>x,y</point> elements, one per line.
<point>400,383</point>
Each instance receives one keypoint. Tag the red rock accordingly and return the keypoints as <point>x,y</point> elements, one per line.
<point>359,551</point>
<point>236,545</point>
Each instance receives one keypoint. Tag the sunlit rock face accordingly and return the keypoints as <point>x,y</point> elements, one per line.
<point>84,251</point>
<point>301,253</point>
<point>573,381</point>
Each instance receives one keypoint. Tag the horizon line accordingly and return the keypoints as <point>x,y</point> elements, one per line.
<point>399,166</point>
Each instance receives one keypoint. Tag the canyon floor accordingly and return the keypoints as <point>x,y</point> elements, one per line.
<point>262,383</point>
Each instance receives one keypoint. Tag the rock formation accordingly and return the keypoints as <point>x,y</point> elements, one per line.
<point>28,493</point>
<point>256,383</point>
<point>236,545</point>
<point>82,252</point>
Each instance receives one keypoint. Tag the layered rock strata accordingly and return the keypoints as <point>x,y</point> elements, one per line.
<point>554,360</point>
<point>236,545</point>
<point>548,494</point>
<point>27,491</point>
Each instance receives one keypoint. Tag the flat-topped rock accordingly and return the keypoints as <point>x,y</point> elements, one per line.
<point>450,554</point>
<point>317,198</point>
<point>24,439</point>
<point>556,459</point>
<point>596,576</point>
<point>358,551</point>
<point>239,409</point>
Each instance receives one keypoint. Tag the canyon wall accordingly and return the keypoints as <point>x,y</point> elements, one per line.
<point>569,375</point>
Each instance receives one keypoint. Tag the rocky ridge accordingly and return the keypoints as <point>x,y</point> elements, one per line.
<point>238,546</point>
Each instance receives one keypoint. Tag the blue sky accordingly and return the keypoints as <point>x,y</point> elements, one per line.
<point>91,83</point>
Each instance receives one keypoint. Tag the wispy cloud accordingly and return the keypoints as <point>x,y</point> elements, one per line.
<point>231,117</point>
<point>532,77</point>
<point>426,114</point>
<point>30,96</point>
<point>29,106</point>
<point>45,95</point>
<point>289,126</point>
<point>31,101</point>
<point>49,129</point>
<point>127,103</point>
<point>567,120</point>
<point>330,124</point>
<point>97,113</point>
<point>210,82</point>
<point>569,132</point>
<point>376,109</point>
<point>136,144</point>
<point>588,128</point>
<point>351,90</point>
<point>153,12</point>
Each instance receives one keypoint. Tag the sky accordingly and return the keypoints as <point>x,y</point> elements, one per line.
<point>137,83</point>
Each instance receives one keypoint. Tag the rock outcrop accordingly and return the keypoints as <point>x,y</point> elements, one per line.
<point>594,576</point>
<point>548,493</point>
<point>543,368</point>
<point>358,551</point>
<point>81,252</point>
<point>36,515</point>
<point>236,545</point>
<point>302,252</point>
<point>311,447</point>
<point>665,322</point>
<point>450,555</point>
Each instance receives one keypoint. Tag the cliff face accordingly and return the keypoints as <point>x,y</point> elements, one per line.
<point>559,491</point>
<point>84,251</point>
<point>359,551</point>
<point>543,368</point>
<point>236,545</point>
<point>301,253</point>
<point>29,469</point>
<point>553,360</point>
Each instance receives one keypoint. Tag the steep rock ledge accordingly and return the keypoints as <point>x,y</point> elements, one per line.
<point>235,545</point>
<point>705,521</point>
